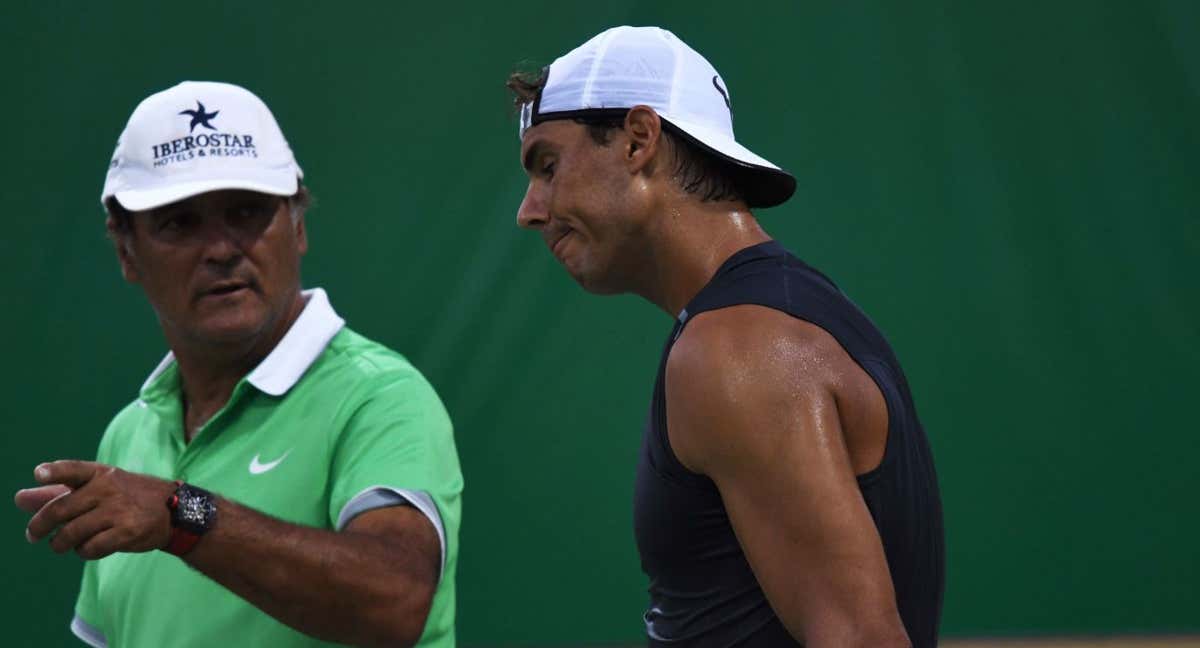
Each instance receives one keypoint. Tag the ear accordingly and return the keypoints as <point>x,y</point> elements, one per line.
<point>121,241</point>
<point>642,128</point>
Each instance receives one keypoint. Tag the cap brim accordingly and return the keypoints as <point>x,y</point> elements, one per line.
<point>143,199</point>
<point>762,183</point>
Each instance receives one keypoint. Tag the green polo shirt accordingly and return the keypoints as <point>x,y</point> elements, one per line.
<point>329,425</point>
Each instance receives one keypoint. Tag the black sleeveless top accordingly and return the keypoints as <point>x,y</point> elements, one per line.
<point>702,591</point>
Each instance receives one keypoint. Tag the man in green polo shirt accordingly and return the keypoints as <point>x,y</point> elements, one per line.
<point>280,480</point>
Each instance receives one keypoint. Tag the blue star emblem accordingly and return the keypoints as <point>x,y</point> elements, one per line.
<point>200,118</point>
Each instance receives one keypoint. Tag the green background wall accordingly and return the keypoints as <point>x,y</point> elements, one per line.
<point>1010,189</point>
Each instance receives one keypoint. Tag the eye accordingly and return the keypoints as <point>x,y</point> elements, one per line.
<point>253,213</point>
<point>174,221</point>
<point>255,209</point>
<point>548,169</point>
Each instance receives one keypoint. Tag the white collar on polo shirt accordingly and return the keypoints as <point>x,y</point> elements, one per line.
<point>295,353</point>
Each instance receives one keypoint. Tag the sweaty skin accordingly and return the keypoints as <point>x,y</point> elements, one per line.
<point>772,409</point>
<point>755,400</point>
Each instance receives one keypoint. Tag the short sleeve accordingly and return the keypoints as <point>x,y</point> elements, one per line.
<point>399,443</point>
<point>86,624</point>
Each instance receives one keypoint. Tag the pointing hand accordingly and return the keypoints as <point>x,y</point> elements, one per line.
<point>97,509</point>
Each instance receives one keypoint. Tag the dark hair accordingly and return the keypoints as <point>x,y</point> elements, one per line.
<point>122,219</point>
<point>697,170</point>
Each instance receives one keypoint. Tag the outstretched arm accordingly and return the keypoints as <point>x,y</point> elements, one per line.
<point>370,584</point>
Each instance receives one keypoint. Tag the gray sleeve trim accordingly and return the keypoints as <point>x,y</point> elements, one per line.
<point>87,633</point>
<point>375,497</point>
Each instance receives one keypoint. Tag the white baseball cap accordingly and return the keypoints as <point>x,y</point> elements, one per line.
<point>623,67</point>
<point>196,137</point>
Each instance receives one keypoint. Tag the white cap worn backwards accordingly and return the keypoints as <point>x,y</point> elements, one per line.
<point>196,137</point>
<point>625,67</point>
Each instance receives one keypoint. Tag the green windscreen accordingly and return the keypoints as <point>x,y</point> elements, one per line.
<point>1010,189</point>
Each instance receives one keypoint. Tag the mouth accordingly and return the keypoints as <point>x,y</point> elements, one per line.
<point>226,288</point>
<point>556,241</point>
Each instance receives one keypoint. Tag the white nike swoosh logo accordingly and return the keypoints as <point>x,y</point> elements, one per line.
<point>257,468</point>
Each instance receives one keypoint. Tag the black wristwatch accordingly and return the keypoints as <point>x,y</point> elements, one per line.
<point>193,513</point>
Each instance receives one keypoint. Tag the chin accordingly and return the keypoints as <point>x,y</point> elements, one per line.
<point>601,273</point>
<point>233,331</point>
<point>597,284</point>
<point>602,289</point>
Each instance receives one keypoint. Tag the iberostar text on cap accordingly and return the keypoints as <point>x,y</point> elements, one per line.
<point>196,137</point>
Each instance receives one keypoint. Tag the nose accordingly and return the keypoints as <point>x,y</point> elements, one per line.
<point>532,214</point>
<point>221,243</point>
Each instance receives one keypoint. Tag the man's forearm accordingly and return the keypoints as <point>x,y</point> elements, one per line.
<point>350,587</point>
<point>372,583</point>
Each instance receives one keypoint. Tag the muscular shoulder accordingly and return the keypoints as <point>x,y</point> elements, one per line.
<point>754,347</point>
<point>739,375</point>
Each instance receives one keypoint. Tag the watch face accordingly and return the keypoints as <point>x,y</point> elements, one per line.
<point>195,510</point>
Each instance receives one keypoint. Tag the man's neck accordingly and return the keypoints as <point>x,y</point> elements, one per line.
<point>690,244</point>
<point>207,385</point>
<point>208,373</point>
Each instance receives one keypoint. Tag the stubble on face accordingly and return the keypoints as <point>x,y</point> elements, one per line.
<point>221,270</point>
<point>592,226</point>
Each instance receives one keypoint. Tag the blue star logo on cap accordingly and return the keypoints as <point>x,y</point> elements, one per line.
<point>200,117</point>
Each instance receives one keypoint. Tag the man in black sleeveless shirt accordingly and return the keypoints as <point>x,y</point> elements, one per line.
<point>792,498</point>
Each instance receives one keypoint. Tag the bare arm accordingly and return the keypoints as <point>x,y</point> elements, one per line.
<point>751,400</point>
<point>370,584</point>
